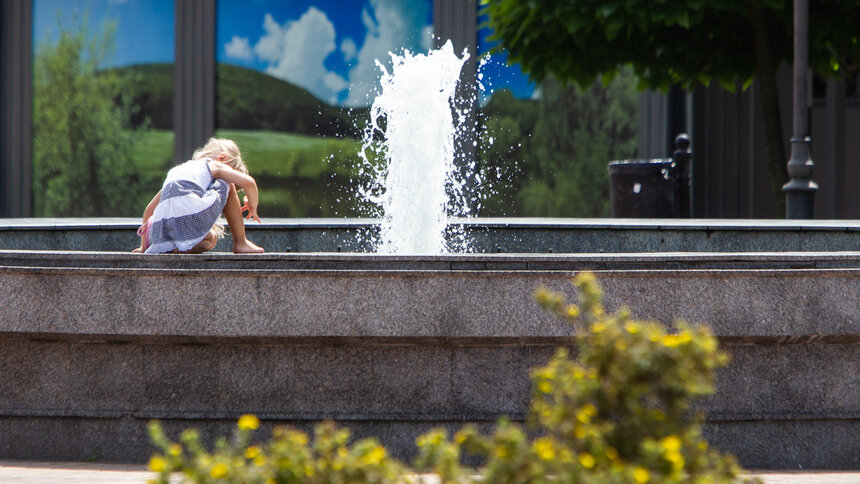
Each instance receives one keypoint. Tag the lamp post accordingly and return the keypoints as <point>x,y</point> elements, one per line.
<point>800,189</point>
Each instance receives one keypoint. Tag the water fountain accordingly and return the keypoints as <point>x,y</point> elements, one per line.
<point>412,117</point>
<point>95,341</point>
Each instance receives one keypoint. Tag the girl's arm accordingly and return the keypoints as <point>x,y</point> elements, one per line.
<point>150,209</point>
<point>224,172</point>
<point>147,214</point>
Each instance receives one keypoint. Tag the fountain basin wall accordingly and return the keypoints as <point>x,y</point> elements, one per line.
<point>93,345</point>
<point>487,235</point>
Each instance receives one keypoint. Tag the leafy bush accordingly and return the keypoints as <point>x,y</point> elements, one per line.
<point>288,458</point>
<point>619,413</point>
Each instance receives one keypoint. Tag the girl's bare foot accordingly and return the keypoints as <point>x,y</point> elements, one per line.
<point>138,250</point>
<point>246,247</point>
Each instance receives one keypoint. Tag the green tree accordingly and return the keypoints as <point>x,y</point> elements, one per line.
<point>686,42</point>
<point>82,145</point>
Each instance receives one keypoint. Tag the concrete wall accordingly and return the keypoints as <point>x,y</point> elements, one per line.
<point>94,345</point>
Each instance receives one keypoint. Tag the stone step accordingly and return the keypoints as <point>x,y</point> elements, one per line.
<point>93,345</point>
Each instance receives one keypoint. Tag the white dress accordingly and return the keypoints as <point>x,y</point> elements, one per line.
<point>190,204</point>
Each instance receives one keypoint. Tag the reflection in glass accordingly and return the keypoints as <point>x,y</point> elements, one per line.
<point>102,105</point>
<point>294,82</point>
<point>545,147</point>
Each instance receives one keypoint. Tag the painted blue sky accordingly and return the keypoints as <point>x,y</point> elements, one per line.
<point>144,28</point>
<point>495,73</point>
<point>328,47</point>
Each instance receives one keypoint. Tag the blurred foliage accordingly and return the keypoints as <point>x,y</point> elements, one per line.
<point>551,155</point>
<point>685,43</point>
<point>621,412</point>
<point>83,146</point>
<point>288,458</point>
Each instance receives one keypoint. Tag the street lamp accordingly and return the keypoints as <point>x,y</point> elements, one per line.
<point>800,189</point>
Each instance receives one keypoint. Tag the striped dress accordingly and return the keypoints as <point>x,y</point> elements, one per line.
<point>191,201</point>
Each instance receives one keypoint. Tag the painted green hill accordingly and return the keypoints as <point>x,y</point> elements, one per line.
<point>245,99</point>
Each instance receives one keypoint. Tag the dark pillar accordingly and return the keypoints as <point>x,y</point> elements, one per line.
<point>800,189</point>
<point>15,107</point>
<point>457,20</point>
<point>194,76</point>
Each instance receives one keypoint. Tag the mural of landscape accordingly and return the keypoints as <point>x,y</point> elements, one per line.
<point>294,83</point>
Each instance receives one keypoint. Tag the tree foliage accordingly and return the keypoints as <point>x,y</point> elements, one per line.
<point>687,43</point>
<point>82,145</point>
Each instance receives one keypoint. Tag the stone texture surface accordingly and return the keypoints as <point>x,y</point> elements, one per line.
<point>487,235</point>
<point>64,400</point>
<point>93,345</point>
<point>209,300</point>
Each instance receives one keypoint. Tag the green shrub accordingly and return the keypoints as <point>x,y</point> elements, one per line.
<point>288,457</point>
<point>618,413</point>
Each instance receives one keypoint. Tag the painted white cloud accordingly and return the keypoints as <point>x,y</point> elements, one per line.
<point>239,48</point>
<point>296,52</point>
<point>391,26</point>
<point>348,49</point>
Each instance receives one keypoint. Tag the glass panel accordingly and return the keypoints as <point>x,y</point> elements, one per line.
<point>102,105</point>
<point>547,145</point>
<point>294,83</point>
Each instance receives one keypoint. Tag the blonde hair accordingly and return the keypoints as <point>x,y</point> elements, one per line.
<point>218,146</point>
<point>212,149</point>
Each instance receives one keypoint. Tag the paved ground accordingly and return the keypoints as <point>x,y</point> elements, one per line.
<point>20,472</point>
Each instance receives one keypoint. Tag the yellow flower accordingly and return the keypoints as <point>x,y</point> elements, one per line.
<point>671,443</point>
<point>583,416</point>
<point>342,452</point>
<point>249,422</point>
<point>641,475</point>
<point>299,438</point>
<point>157,464</point>
<point>632,327</point>
<point>545,386</point>
<point>219,470</point>
<point>252,452</point>
<point>572,310</point>
<point>501,452</point>
<point>260,460</point>
<point>579,432</point>
<point>376,455</point>
<point>544,449</point>
<point>589,409</point>
<point>671,340</point>
<point>587,460</point>
<point>676,459</point>
<point>175,450</point>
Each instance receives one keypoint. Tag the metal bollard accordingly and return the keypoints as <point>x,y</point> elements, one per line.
<point>682,158</point>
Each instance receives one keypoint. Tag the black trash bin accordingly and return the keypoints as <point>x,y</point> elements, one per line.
<point>643,188</point>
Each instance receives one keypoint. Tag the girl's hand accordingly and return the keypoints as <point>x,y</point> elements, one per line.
<point>252,211</point>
